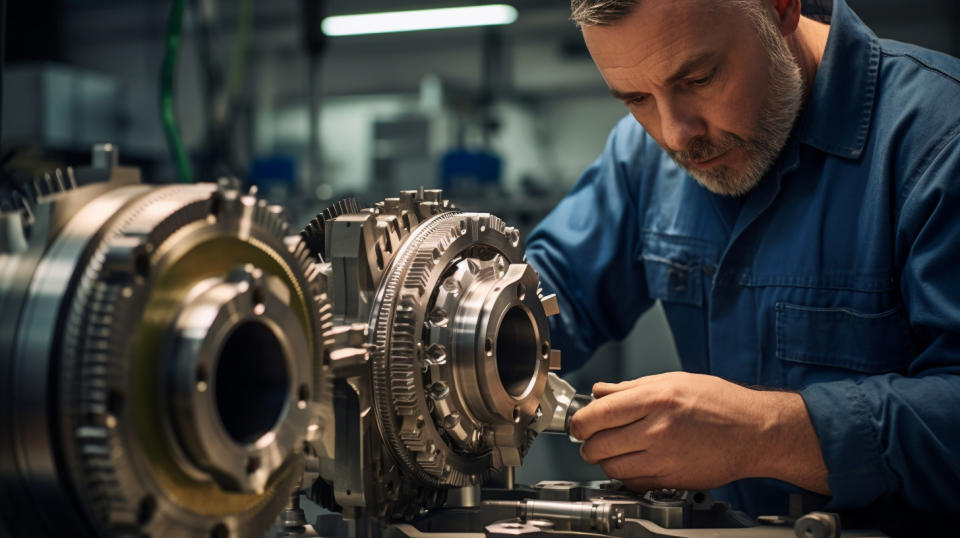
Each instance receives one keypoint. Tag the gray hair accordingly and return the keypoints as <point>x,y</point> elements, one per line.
<point>606,12</point>
<point>600,12</point>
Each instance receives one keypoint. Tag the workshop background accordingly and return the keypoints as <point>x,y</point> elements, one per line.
<point>504,118</point>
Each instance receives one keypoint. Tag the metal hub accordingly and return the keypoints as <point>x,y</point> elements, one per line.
<point>417,313</point>
<point>165,343</point>
<point>458,347</point>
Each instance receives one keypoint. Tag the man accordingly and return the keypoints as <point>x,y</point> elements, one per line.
<point>789,188</point>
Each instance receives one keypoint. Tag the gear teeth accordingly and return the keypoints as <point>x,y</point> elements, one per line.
<point>100,309</point>
<point>403,385</point>
<point>315,273</point>
<point>45,185</point>
<point>50,183</point>
<point>93,417</point>
<point>314,233</point>
<point>273,217</point>
<point>30,191</point>
<point>325,312</point>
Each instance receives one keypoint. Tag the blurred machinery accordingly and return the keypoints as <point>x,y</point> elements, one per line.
<point>179,362</point>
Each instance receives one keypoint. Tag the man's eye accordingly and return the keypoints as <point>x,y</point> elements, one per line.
<point>703,81</point>
<point>638,100</point>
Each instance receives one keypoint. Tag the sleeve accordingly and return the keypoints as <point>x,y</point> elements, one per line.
<point>897,436</point>
<point>586,251</point>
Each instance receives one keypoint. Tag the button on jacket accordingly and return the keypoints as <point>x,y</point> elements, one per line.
<point>837,276</point>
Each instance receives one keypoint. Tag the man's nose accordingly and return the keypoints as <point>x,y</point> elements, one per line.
<point>680,125</point>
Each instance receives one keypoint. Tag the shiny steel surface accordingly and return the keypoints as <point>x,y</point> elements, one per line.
<point>116,298</point>
<point>445,385</point>
<point>180,365</point>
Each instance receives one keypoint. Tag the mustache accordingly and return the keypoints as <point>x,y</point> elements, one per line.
<point>703,149</point>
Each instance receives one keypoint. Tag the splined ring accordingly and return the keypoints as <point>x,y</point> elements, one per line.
<point>399,320</point>
<point>126,270</point>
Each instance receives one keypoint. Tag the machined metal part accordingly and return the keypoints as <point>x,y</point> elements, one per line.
<point>180,364</point>
<point>817,525</point>
<point>558,406</point>
<point>595,509</point>
<point>447,387</point>
<point>598,516</point>
<point>164,347</point>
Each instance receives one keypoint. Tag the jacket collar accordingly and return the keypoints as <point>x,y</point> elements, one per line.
<point>839,111</point>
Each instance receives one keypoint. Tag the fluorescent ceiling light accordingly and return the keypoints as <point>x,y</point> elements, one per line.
<point>421,19</point>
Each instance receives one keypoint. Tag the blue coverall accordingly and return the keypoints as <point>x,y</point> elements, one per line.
<point>837,276</point>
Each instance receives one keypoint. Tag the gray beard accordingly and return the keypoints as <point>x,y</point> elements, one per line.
<point>778,112</point>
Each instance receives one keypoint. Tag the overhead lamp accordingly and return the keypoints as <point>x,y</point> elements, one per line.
<point>419,19</point>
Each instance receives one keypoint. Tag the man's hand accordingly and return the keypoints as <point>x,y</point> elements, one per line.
<point>691,431</point>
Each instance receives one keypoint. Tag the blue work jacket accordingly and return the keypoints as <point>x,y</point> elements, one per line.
<point>837,276</point>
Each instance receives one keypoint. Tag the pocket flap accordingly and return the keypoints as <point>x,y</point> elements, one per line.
<point>673,270</point>
<point>844,338</point>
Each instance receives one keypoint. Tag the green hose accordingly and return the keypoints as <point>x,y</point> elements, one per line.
<point>238,61</point>
<point>167,114</point>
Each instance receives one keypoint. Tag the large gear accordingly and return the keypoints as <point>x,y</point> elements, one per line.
<point>449,421</point>
<point>144,265</point>
<point>402,373</point>
<point>183,365</point>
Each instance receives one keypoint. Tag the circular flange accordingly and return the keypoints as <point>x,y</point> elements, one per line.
<point>404,320</point>
<point>238,395</point>
<point>94,334</point>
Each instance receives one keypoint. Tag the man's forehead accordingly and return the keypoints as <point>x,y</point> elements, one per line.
<point>661,37</point>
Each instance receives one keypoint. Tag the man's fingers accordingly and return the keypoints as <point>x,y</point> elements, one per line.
<point>616,409</point>
<point>615,442</point>
<point>602,389</point>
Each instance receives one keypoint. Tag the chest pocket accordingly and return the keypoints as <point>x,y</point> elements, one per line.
<point>822,344</point>
<point>674,269</point>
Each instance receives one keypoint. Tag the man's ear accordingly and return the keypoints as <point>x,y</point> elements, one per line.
<point>787,15</point>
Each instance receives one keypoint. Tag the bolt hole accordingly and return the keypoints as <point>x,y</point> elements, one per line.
<point>303,395</point>
<point>253,463</point>
<point>203,377</point>
<point>349,492</point>
<point>488,346</point>
<point>258,301</point>
<point>699,497</point>
<point>220,531</point>
<point>516,415</point>
<point>545,349</point>
<point>146,509</point>
<point>141,264</point>
<point>521,292</point>
<point>215,204</point>
<point>258,295</point>
<point>115,400</point>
